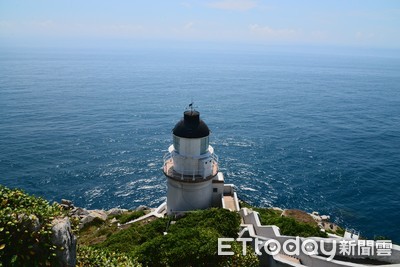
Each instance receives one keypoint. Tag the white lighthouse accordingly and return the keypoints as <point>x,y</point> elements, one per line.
<point>191,167</point>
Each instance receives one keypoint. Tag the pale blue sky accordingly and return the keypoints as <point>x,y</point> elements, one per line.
<point>361,23</point>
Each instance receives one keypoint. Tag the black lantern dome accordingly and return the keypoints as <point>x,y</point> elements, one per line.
<point>191,126</point>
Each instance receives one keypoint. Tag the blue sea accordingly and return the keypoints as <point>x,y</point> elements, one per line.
<point>317,131</point>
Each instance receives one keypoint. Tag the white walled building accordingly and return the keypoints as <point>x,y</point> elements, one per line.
<point>191,168</point>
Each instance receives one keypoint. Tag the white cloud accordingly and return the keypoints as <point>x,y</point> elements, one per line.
<point>188,25</point>
<point>186,4</point>
<point>269,32</point>
<point>121,28</point>
<point>318,34</point>
<point>54,28</point>
<point>240,5</point>
<point>362,36</point>
<point>5,24</point>
<point>43,24</point>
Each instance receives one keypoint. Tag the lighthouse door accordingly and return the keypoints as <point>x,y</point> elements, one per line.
<point>206,167</point>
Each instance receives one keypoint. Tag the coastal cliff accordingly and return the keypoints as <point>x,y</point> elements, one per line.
<point>36,233</point>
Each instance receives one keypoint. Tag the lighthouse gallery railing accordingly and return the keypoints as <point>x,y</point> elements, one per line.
<point>193,174</point>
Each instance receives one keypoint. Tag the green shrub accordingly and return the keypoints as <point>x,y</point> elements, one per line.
<point>340,231</point>
<point>244,204</point>
<point>184,247</point>
<point>190,241</point>
<point>288,226</point>
<point>196,246</point>
<point>129,216</point>
<point>225,222</point>
<point>381,237</point>
<point>128,239</point>
<point>25,229</point>
<point>92,257</point>
<point>240,260</point>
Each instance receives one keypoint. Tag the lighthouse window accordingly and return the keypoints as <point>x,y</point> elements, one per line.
<point>204,145</point>
<point>176,143</point>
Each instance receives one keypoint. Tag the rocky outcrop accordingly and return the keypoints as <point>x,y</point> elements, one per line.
<point>115,212</point>
<point>94,215</point>
<point>142,207</point>
<point>299,215</point>
<point>63,237</point>
<point>86,217</point>
<point>78,212</point>
<point>66,204</point>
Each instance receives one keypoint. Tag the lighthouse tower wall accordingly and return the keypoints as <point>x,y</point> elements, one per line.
<point>188,196</point>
